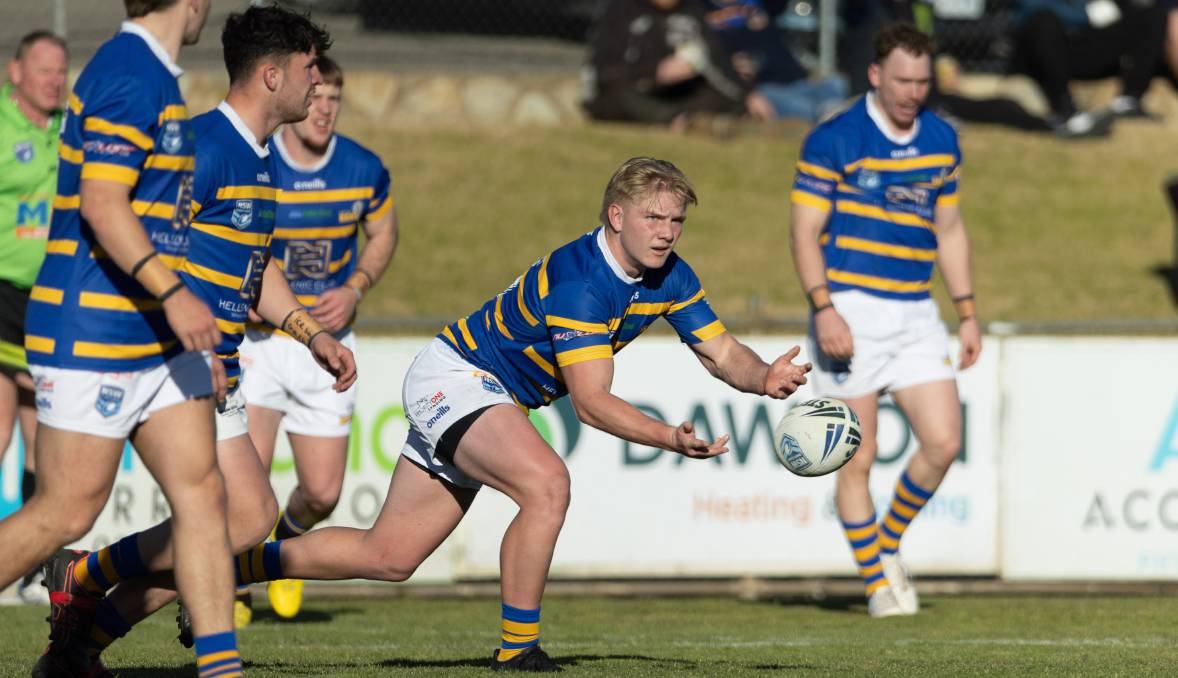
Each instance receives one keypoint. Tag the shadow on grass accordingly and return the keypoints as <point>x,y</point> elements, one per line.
<point>563,660</point>
<point>316,615</point>
<point>1169,277</point>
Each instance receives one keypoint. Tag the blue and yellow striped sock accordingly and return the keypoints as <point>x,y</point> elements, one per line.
<point>288,527</point>
<point>108,626</point>
<point>217,656</point>
<point>906,504</point>
<point>102,569</point>
<point>261,563</point>
<point>864,539</point>
<point>521,630</point>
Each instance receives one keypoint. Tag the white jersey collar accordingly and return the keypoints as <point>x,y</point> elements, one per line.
<point>285,155</point>
<point>152,44</point>
<point>239,125</point>
<point>877,116</point>
<point>613,263</point>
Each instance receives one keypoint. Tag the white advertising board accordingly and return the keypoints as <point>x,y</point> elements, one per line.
<point>1090,459</point>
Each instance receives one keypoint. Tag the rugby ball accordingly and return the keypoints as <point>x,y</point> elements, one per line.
<point>817,436</point>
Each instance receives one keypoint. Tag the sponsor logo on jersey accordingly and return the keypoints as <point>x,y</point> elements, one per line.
<point>492,386</point>
<point>243,214</point>
<point>23,150</point>
<point>427,403</point>
<point>437,416</point>
<point>96,147</point>
<point>264,177</point>
<point>571,334</point>
<point>172,139</point>
<point>868,179</point>
<point>910,152</point>
<point>110,400</point>
<point>316,184</point>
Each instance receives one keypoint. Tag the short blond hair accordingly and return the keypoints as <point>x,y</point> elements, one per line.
<point>642,176</point>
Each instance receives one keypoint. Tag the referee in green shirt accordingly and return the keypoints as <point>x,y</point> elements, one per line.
<point>30,123</point>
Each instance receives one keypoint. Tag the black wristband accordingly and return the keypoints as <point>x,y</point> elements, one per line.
<point>141,263</point>
<point>313,336</point>
<point>171,290</point>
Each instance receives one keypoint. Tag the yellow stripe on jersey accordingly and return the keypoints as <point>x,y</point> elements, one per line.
<point>208,274</point>
<point>159,210</point>
<point>108,172</point>
<point>65,247</point>
<point>70,154</point>
<point>873,212</point>
<point>819,171</point>
<point>75,104</point>
<point>449,335</point>
<point>307,299</point>
<point>580,355</point>
<point>809,200</point>
<point>568,323</point>
<point>684,304</point>
<point>874,282</point>
<point>657,308</point>
<point>542,277</point>
<point>127,132</point>
<point>173,112</point>
<point>847,188</point>
<point>847,242</point>
<point>523,307</point>
<point>470,343</point>
<point>709,331</point>
<point>334,195</point>
<point>232,234</point>
<point>900,164</point>
<point>90,349</point>
<point>117,302</point>
<point>230,327</point>
<point>67,202</point>
<point>39,344</point>
<point>176,163</point>
<point>46,295</point>
<point>246,192</point>
<point>539,360</point>
<point>499,318</point>
<point>951,200</point>
<point>309,233</point>
<point>194,208</point>
<point>340,263</point>
<point>379,212</point>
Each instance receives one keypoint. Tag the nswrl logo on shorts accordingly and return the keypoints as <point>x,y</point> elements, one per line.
<point>110,400</point>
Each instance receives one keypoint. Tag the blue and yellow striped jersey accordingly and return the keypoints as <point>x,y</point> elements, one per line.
<point>233,206</point>
<point>320,211</point>
<point>127,123</point>
<point>576,304</point>
<point>881,194</point>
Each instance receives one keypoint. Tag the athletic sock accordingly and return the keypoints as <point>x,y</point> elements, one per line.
<point>108,626</point>
<point>261,563</point>
<point>521,630</point>
<point>102,569</point>
<point>906,504</point>
<point>864,539</point>
<point>288,527</point>
<point>217,656</point>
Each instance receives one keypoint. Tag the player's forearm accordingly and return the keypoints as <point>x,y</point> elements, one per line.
<point>380,247</point>
<point>743,369</point>
<point>953,259</point>
<point>116,228</point>
<point>275,300</point>
<point>609,413</point>
<point>806,226</point>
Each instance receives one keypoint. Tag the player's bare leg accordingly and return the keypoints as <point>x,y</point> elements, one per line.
<point>852,492</point>
<point>934,412</point>
<point>76,474</point>
<point>186,469</point>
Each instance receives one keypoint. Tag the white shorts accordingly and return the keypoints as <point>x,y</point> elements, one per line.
<point>897,344</point>
<point>111,404</point>
<point>440,388</point>
<point>279,373</point>
<point>230,416</point>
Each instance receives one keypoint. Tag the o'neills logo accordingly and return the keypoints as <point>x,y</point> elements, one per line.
<point>316,184</point>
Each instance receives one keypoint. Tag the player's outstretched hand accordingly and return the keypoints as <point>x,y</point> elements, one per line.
<point>334,308</point>
<point>784,377</point>
<point>192,321</point>
<point>336,359</point>
<point>970,336</point>
<point>833,334</point>
<point>688,445</point>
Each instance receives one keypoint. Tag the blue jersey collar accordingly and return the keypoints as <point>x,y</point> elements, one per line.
<point>154,45</point>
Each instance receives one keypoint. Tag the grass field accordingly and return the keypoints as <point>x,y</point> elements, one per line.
<point>1061,231</point>
<point>953,636</point>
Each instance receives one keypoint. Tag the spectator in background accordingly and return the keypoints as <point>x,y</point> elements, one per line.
<point>656,61</point>
<point>30,123</point>
<point>761,55</point>
<point>1061,40</point>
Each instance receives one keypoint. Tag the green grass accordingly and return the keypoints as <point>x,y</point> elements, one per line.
<point>1061,231</point>
<point>953,636</point>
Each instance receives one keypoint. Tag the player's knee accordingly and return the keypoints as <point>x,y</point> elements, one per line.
<point>252,527</point>
<point>549,494</point>
<point>387,564</point>
<point>942,449</point>
<point>322,501</point>
<point>64,524</point>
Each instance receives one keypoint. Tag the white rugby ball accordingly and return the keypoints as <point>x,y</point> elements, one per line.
<point>817,436</point>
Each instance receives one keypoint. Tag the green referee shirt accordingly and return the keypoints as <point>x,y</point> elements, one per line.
<point>28,182</point>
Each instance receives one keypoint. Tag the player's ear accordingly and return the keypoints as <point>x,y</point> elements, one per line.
<point>614,212</point>
<point>271,76</point>
<point>14,74</point>
<point>873,74</point>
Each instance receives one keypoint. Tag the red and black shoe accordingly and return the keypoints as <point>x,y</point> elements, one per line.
<point>71,616</point>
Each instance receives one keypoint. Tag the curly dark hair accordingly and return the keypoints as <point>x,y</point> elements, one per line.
<point>140,8</point>
<point>271,31</point>
<point>904,36</point>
